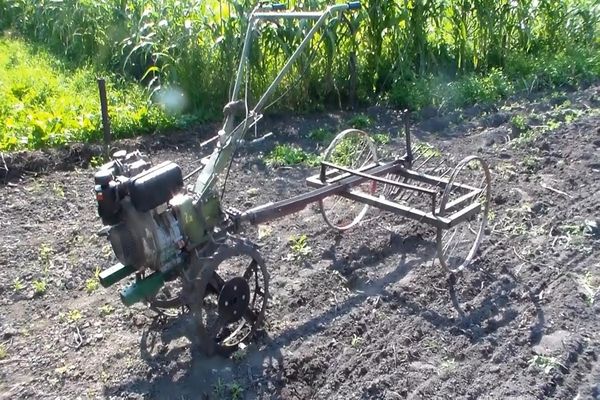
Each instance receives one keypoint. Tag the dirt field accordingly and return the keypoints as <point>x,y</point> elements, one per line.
<point>365,314</point>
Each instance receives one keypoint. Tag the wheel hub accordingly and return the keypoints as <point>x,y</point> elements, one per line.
<point>234,299</point>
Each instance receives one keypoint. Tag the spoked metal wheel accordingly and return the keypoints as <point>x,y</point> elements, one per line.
<point>427,160</point>
<point>458,245</point>
<point>352,149</point>
<point>231,294</point>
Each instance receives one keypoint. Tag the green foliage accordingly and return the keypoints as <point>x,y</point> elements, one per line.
<point>413,94</point>
<point>299,246</point>
<point>519,123</point>
<point>485,89</point>
<point>105,310</point>
<point>43,103</point>
<point>286,154</point>
<point>3,351</point>
<point>18,285</point>
<point>360,121</point>
<point>381,138</point>
<point>40,286</point>
<point>545,363</point>
<point>443,54</point>
<point>193,45</point>
<point>321,135</point>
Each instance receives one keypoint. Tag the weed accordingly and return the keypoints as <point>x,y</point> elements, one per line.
<point>264,231</point>
<point>545,363</point>
<point>321,135</point>
<point>591,287</point>
<point>519,123</point>
<point>531,163</point>
<point>240,354</point>
<point>45,254</point>
<point>74,315</point>
<point>427,150</point>
<point>91,285</point>
<point>18,285</point>
<point>58,191</point>
<point>40,286</point>
<point>448,364</point>
<point>299,246</point>
<point>219,389</point>
<point>3,351</point>
<point>96,161</point>
<point>236,391</point>
<point>105,310</point>
<point>360,121</point>
<point>285,154</point>
<point>381,138</point>
<point>356,341</point>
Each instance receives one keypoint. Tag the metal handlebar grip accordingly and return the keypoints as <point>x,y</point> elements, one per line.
<point>278,7</point>
<point>354,5</point>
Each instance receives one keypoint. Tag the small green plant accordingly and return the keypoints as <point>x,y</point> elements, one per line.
<point>3,351</point>
<point>448,364</point>
<point>18,285</point>
<point>321,135</point>
<point>590,284</point>
<point>236,391</point>
<point>360,121</point>
<point>531,163</point>
<point>46,252</point>
<point>545,363</point>
<point>427,150</point>
<point>40,286</point>
<point>105,310</point>
<point>381,138</point>
<point>299,246</point>
<point>240,354</point>
<point>58,190</point>
<point>519,123</point>
<point>285,154</point>
<point>92,284</point>
<point>356,341</point>
<point>219,389</point>
<point>96,161</point>
<point>74,315</point>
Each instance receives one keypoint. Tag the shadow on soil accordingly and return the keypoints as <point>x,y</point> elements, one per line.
<point>176,371</point>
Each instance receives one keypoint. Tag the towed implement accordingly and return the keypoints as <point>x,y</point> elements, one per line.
<point>163,231</point>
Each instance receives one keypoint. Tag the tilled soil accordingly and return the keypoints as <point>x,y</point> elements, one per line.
<point>366,314</point>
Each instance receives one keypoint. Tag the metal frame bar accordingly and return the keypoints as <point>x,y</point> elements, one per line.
<point>379,179</point>
<point>281,208</point>
<point>230,135</point>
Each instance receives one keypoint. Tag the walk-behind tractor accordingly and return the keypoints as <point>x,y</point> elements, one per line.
<point>183,246</point>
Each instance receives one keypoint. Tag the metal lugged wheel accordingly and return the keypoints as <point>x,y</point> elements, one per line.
<point>230,297</point>
<point>352,149</point>
<point>458,245</point>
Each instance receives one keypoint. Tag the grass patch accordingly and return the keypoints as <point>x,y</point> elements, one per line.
<point>45,104</point>
<point>287,154</point>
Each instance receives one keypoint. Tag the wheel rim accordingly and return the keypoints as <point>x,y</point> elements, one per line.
<point>352,149</point>
<point>223,326</point>
<point>458,245</point>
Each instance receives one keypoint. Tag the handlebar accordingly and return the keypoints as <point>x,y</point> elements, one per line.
<point>278,7</point>
<point>351,5</point>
